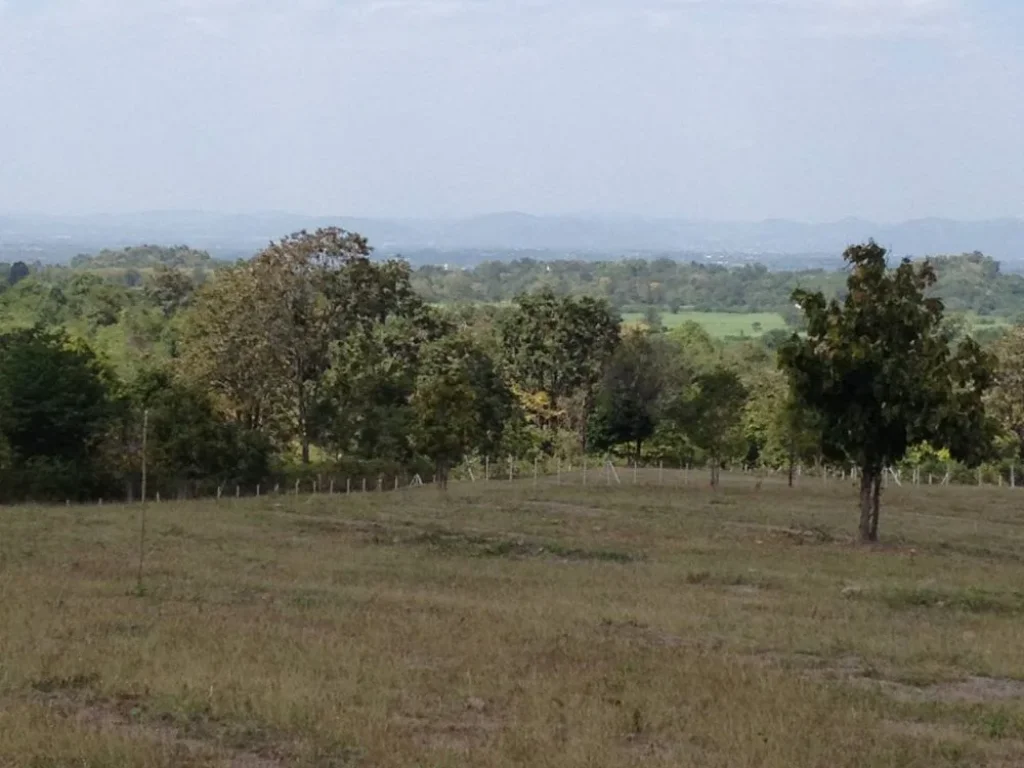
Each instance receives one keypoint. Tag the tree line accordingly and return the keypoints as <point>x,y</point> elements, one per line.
<point>314,356</point>
<point>969,283</point>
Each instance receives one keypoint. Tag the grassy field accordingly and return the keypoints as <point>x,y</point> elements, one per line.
<point>505,625</point>
<point>720,324</point>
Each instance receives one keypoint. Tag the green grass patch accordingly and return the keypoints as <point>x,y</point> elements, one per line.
<point>720,324</point>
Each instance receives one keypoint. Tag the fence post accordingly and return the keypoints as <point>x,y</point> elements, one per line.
<point>145,430</point>
<point>332,487</point>
<point>364,485</point>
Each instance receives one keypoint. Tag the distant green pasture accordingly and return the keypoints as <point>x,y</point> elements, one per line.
<point>720,324</point>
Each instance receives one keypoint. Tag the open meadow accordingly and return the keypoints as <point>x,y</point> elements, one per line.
<point>719,325</point>
<point>505,624</point>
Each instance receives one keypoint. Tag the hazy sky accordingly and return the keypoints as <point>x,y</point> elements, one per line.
<point>724,109</point>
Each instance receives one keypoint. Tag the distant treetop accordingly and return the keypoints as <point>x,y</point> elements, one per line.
<point>141,256</point>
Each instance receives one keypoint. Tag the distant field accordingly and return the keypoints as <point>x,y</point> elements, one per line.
<point>509,625</point>
<point>720,324</point>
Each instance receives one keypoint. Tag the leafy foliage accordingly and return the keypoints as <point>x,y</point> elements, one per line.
<point>54,411</point>
<point>460,403</point>
<point>879,370</point>
<point>560,346</point>
<point>632,393</point>
<point>710,414</point>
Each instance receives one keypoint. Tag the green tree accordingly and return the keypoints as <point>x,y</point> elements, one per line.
<point>170,289</point>
<point>18,272</point>
<point>460,403</point>
<point>560,346</point>
<point>365,406</point>
<point>653,319</point>
<point>278,317</point>
<point>1006,398</point>
<point>710,414</point>
<point>189,441</point>
<point>629,401</point>
<point>880,372</point>
<point>55,407</point>
<point>225,348</point>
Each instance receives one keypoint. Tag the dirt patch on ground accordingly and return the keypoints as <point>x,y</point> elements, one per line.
<point>855,670</point>
<point>1001,753</point>
<point>576,510</point>
<point>642,634</point>
<point>468,543</point>
<point>972,690</point>
<point>126,716</point>
<point>472,728</point>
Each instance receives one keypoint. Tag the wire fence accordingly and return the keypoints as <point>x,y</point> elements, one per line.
<point>583,472</point>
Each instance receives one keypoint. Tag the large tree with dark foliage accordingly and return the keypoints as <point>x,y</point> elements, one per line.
<point>882,374</point>
<point>55,407</point>
<point>628,403</point>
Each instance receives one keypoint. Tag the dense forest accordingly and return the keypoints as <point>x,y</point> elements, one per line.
<point>312,357</point>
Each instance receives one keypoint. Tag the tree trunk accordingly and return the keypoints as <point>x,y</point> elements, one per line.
<point>441,468</point>
<point>714,474</point>
<point>876,498</point>
<point>639,445</point>
<point>870,491</point>
<point>792,460</point>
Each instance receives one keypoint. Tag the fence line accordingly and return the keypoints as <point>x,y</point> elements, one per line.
<point>588,471</point>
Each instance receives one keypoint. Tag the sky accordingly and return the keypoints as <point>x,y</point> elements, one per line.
<point>706,109</point>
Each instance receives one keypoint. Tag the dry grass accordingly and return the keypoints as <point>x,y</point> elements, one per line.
<point>502,625</point>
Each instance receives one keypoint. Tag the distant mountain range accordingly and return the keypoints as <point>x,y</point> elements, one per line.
<point>57,237</point>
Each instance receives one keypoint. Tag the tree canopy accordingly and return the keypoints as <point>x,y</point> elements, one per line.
<point>879,370</point>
